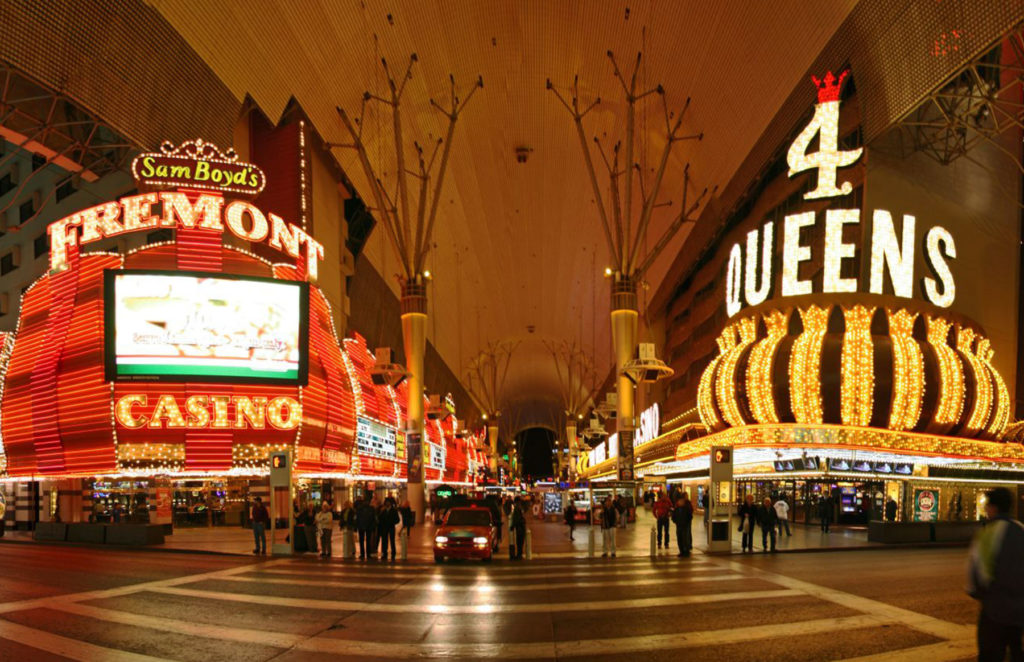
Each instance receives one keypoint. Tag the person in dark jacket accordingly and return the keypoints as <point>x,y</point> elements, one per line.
<point>747,513</point>
<point>570,517</point>
<point>890,510</point>
<point>387,520</point>
<point>408,516</point>
<point>608,518</point>
<point>682,516</point>
<point>996,580</point>
<point>307,520</point>
<point>366,525</point>
<point>260,522</point>
<point>825,512</point>
<point>768,520</point>
<point>517,522</point>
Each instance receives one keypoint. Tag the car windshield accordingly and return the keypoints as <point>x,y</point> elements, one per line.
<point>468,518</point>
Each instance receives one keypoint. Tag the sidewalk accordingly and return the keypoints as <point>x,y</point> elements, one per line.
<point>550,539</point>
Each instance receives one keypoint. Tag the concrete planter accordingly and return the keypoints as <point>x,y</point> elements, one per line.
<point>83,532</point>
<point>50,531</point>
<point>900,532</point>
<point>136,535</point>
<point>956,531</point>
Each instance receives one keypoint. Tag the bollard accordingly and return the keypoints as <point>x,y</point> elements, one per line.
<point>529,545</point>
<point>403,545</point>
<point>654,537</point>
<point>591,552</point>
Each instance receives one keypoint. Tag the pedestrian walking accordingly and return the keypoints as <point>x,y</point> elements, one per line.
<point>608,515</point>
<point>366,525</point>
<point>996,580</point>
<point>570,518</point>
<point>825,512</point>
<point>705,504</point>
<point>620,511</point>
<point>260,522</point>
<point>748,515</point>
<point>782,510</point>
<point>517,522</point>
<point>325,529</point>
<point>769,521</point>
<point>662,511</point>
<point>682,516</point>
<point>387,520</point>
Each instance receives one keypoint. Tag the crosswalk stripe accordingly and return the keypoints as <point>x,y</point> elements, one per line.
<point>921,622</point>
<point>583,648</point>
<point>945,651</point>
<point>241,635</point>
<point>609,572</point>
<point>384,566</point>
<point>350,605</point>
<point>434,585</point>
<point>34,603</point>
<point>72,649</point>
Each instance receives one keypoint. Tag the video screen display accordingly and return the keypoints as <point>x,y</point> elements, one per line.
<point>180,326</point>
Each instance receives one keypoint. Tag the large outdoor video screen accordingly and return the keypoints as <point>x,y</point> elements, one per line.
<point>183,326</point>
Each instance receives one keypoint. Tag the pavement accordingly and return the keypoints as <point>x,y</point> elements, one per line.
<point>67,603</point>
<point>549,538</point>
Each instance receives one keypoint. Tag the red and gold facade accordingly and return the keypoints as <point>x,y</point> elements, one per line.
<point>63,417</point>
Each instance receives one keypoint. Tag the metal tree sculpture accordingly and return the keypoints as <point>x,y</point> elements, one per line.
<point>625,227</point>
<point>485,382</point>
<point>577,380</point>
<point>409,228</point>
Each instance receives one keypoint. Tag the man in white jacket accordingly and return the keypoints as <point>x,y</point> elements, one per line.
<point>782,510</point>
<point>325,528</point>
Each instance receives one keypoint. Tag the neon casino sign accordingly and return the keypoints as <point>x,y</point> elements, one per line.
<point>189,210</point>
<point>749,273</point>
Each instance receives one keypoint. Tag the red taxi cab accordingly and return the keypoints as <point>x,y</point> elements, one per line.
<point>466,533</point>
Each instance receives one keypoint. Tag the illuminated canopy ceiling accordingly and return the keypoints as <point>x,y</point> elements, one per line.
<point>519,250</point>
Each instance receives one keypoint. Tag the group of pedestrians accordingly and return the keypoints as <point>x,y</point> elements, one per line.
<point>769,517</point>
<point>377,523</point>
<point>679,513</point>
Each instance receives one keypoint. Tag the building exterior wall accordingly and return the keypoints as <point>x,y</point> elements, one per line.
<point>23,228</point>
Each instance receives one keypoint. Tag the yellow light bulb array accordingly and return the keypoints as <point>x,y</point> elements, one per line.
<point>982,407</point>
<point>908,371</point>
<point>805,366</point>
<point>706,389</point>
<point>857,367</point>
<point>725,385</point>
<point>951,373</point>
<point>760,383</point>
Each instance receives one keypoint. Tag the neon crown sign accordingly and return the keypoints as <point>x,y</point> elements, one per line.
<point>201,173</point>
<point>749,272</point>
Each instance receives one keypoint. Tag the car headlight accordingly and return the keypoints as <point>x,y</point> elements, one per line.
<point>441,540</point>
<point>480,540</point>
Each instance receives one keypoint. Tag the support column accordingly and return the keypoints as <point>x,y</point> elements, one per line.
<point>625,319</point>
<point>414,336</point>
<point>573,445</point>
<point>492,441</point>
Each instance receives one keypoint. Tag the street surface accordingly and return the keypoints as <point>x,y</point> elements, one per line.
<point>75,603</point>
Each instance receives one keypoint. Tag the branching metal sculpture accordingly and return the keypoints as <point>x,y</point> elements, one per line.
<point>485,378</point>
<point>409,227</point>
<point>623,233</point>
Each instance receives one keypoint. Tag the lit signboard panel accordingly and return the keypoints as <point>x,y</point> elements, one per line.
<point>373,438</point>
<point>180,326</point>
